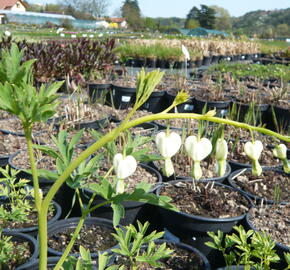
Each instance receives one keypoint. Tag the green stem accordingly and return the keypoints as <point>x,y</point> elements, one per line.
<point>33,169</point>
<point>75,235</point>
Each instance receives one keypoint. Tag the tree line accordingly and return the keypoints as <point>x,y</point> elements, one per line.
<point>259,23</point>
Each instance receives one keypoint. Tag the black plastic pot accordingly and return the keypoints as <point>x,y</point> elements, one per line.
<point>222,107</point>
<point>282,116</point>
<point>193,229</point>
<point>151,62</point>
<point>133,210</point>
<point>123,97</point>
<point>215,59</point>
<point>198,62</point>
<point>260,109</point>
<point>162,63</point>
<point>186,107</point>
<point>250,195</point>
<point>206,60</point>
<point>179,65</point>
<point>64,224</point>
<point>21,237</point>
<point>99,92</point>
<point>155,103</point>
<point>280,249</point>
<point>204,261</point>
<point>33,230</point>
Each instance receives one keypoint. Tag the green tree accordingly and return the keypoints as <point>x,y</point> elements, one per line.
<point>191,23</point>
<point>150,23</point>
<point>96,8</point>
<point>206,17</point>
<point>132,13</point>
<point>282,30</point>
<point>223,20</point>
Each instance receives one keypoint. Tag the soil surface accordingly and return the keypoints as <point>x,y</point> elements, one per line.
<point>93,237</point>
<point>10,144</point>
<point>180,259</point>
<point>237,154</point>
<point>43,161</point>
<point>14,125</point>
<point>274,220</point>
<point>206,199</point>
<point>140,175</point>
<point>264,185</point>
<point>5,115</point>
<point>179,123</point>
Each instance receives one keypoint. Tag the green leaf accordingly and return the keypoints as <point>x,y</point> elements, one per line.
<point>118,213</point>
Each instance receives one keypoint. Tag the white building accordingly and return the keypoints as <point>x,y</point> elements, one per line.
<point>14,5</point>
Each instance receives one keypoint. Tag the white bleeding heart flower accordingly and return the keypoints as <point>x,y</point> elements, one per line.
<point>7,33</point>
<point>198,150</point>
<point>73,36</point>
<point>84,35</point>
<point>280,151</point>
<point>253,149</point>
<point>221,153</point>
<point>124,166</point>
<point>62,34</point>
<point>168,145</point>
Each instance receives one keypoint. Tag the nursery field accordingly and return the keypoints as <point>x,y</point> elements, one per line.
<point>148,153</point>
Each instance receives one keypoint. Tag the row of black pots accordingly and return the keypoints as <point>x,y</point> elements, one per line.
<point>172,222</point>
<point>205,61</point>
<point>124,97</point>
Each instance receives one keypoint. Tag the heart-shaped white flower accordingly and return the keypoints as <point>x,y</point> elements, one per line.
<point>168,145</point>
<point>124,166</point>
<point>280,151</point>
<point>198,150</point>
<point>253,150</point>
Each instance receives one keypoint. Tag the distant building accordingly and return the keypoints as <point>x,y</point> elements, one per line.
<point>14,5</point>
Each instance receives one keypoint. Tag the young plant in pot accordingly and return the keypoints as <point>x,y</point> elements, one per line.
<point>16,206</point>
<point>18,250</point>
<point>138,250</point>
<point>262,183</point>
<point>244,249</point>
<point>31,105</point>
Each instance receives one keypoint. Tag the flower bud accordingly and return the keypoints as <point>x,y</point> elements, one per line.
<point>124,166</point>
<point>221,149</point>
<point>280,151</point>
<point>168,169</point>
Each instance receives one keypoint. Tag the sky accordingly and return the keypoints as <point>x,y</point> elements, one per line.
<point>180,8</point>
